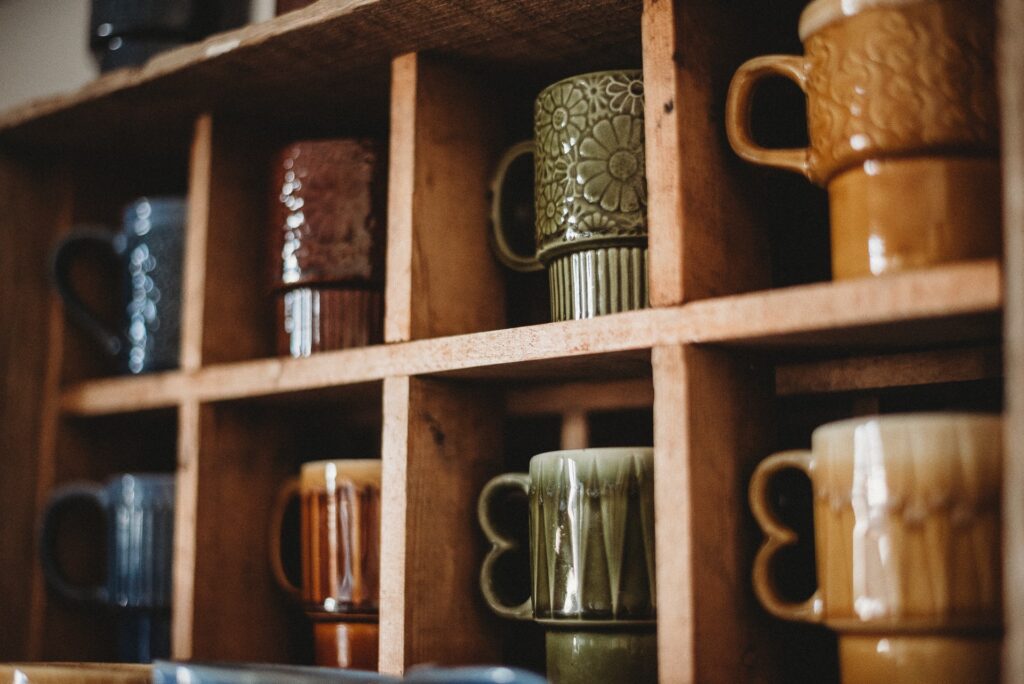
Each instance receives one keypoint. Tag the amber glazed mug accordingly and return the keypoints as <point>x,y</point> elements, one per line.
<point>340,548</point>
<point>907,540</point>
<point>903,124</point>
<point>327,235</point>
<point>590,195</point>
<point>591,560</point>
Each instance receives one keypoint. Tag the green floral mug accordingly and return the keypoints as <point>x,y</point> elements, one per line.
<point>590,195</point>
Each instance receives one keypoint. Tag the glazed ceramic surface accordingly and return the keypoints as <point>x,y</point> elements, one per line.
<point>891,81</point>
<point>590,194</point>
<point>907,539</point>
<point>346,643</point>
<point>139,514</point>
<point>167,672</point>
<point>591,557</point>
<point>149,248</point>
<point>327,241</point>
<point>340,536</point>
<point>74,673</point>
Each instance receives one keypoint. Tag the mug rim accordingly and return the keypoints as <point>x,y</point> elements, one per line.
<point>924,418</point>
<point>312,474</point>
<point>562,453</point>
<point>822,13</point>
<point>587,74</point>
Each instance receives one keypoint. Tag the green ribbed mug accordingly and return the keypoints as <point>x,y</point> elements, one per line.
<point>590,195</point>
<point>591,561</point>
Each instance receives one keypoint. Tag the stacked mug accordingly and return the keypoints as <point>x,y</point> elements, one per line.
<point>138,515</point>
<point>591,520</point>
<point>327,238</point>
<point>339,504</point>
<point>904,129</point>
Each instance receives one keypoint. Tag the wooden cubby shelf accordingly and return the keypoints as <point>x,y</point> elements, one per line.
<point>941,306</point>
<point>747,347</point>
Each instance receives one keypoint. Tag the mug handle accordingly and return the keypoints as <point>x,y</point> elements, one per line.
<point>738,105</point>
<point>63,498</point>
<point>63,256</point>
<point>500,545</point>
<point>778,536</point>
<point>289,490</point>
<point>502,249</point>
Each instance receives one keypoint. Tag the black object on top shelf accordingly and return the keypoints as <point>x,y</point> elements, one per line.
<point>129,32</point>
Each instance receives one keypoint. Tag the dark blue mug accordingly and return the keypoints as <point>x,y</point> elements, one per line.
<point>138,511</point>
<point>150,249</point>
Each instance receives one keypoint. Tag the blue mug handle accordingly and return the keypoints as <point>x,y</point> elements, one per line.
<point>63,498</point>
<point>63,256</point>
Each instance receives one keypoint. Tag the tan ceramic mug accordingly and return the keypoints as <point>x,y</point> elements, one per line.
<point>340,548</point>
<point>903,124</point>
<point>907,545</point>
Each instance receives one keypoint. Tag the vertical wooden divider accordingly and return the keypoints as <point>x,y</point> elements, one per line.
<point>441,276</point>
<point>193,294</point>
<point>704,240</point>
<point>712,422</point>
<point>42,396</point>
<point>441,442</point>
<point>1011,61</point>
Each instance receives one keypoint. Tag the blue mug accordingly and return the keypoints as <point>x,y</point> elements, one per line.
<point>150,250</point>
<point>138,511</point>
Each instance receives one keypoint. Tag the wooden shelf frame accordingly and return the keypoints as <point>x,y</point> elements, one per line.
<point>711,360</point>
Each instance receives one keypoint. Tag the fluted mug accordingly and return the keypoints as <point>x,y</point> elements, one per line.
<point>591,520</point>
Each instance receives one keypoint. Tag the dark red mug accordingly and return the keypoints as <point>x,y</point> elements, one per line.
<point>327,241</point>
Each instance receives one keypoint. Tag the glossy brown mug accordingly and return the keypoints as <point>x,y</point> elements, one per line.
<point>907,544</point>
<point>327,241</point>
<point>340,554</point>
<point>903,124</point>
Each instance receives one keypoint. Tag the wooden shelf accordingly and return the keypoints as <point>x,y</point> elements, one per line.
<point>746,350</point>
<point>939,306</point>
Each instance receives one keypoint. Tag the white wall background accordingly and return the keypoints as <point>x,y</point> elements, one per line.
<point>44,47</point>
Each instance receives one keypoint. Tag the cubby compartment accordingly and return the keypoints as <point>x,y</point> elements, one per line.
<point>96,190</point>
<point>237,160</point>
<point>91,450</point>
<point>457,435</point>
<point>247,451</point>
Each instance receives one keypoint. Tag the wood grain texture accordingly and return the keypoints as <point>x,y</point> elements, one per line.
<point>887,371</point>
<point>193,281</point>
<point>584,397</point>
<point>454,284</point>
<point>710,432</point>
<point>1011,70</point>
<point>435,467</point>
<point>186,529</point>
<point>940,306</point>
<point>304,66</point>
<point>704,236</point>
<point>32,201</point>
<point>230,175</point>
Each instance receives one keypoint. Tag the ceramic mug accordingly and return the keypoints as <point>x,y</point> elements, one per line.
<point>149,248</point>
<point>907,544</point>
<point>903,124</point>
<point>327,239</point>
<point>590,195</point>
<point>138,512</point>
<point>591,559</point>
<point>339,504</point>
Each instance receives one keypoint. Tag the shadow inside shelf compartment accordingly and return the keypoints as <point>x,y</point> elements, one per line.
<point>249,449</point>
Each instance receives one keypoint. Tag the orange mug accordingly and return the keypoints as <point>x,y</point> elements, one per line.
<point>903,125</point>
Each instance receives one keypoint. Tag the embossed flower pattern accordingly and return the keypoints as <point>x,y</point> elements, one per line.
<point>561,116</point>
<point>625,94</point>
<point>590,158</point>
<point>611,167</point>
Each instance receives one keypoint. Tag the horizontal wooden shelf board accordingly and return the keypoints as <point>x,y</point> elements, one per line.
<point>332,57</point>
<point>937,306</point>
<point>889,371</point>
